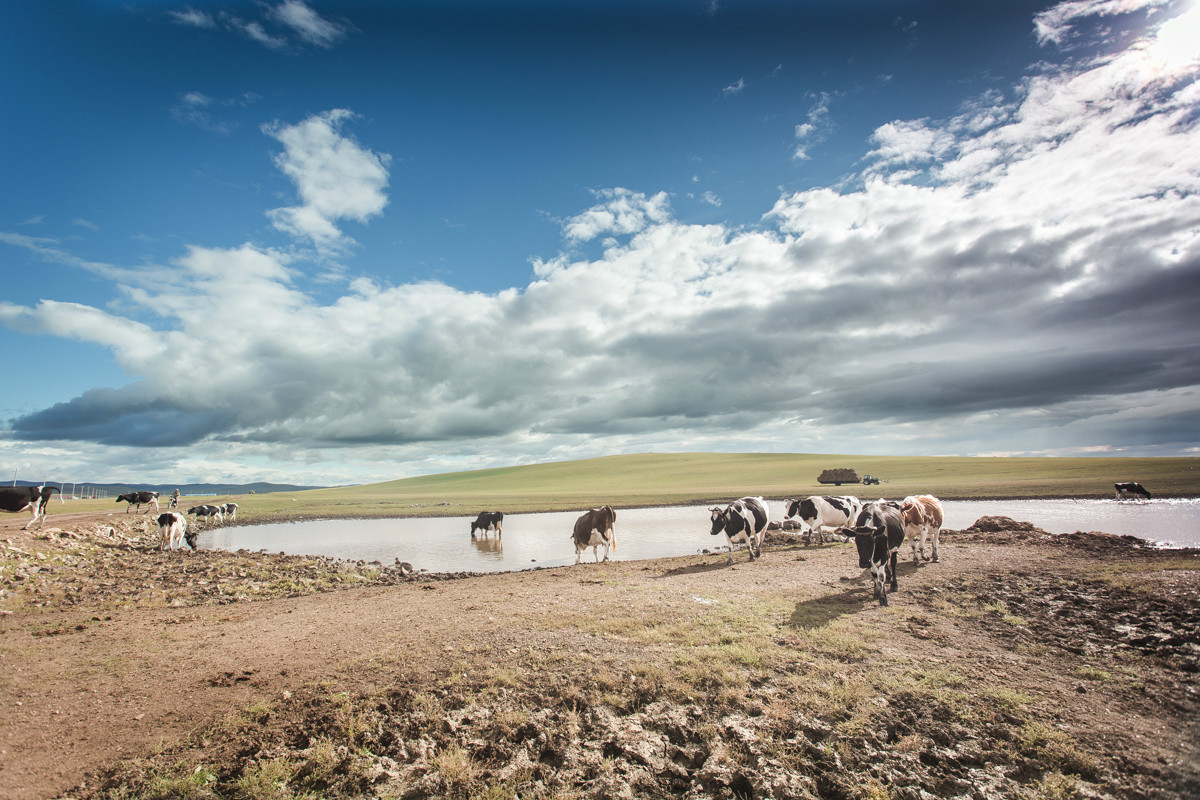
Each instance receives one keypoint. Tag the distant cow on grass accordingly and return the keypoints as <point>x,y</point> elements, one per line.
<point>922,517</point>
<point>488,521</point>
<point>878,535</point>
<point>139,499</point>
<point>16,499</point>
<point>1131,490</point>
<point>208,511</point>
<point>742,520</point>
<point>593,529</point>
<point>173,531</point>
<point>823,511</point>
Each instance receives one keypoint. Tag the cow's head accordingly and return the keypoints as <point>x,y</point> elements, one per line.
<point>867,539</point>
<point>719,519</point>
<point>190,536</point>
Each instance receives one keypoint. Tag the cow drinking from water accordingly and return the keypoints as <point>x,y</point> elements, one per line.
<point>822,511</point>
<point>173,531</point>
<point>15,499</point>
<point>489,521</point>
<point>878,534</point>
<point>594,529</point>
<point>922,517</point>
<point>742,520</point>
<point>1131,490</point>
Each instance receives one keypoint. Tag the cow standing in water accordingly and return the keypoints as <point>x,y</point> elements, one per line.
<point>488,521</point>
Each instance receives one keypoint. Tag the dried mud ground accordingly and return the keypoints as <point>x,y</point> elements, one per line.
<point>1021,665</point>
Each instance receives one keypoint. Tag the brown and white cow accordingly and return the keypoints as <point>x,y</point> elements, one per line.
<point>593,529</point>
<point>922,514</point>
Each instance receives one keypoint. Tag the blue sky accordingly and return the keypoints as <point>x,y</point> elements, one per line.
<point>342,242</point>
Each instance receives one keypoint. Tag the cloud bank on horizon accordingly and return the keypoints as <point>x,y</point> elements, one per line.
<point>1022,277</point>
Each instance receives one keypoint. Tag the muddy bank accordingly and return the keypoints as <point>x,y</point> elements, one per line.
<point>1022,665</point>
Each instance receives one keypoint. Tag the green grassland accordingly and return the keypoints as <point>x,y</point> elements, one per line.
<point>683,478</point>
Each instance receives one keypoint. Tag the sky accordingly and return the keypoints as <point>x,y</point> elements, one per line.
<point>327,243</point>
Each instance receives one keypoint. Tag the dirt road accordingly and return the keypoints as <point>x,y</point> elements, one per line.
<point>1021,663</point>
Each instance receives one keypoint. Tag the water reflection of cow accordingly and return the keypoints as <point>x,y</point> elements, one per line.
<point>487,545</point>
<point>488,521</point>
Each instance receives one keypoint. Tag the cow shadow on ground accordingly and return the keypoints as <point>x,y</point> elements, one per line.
<point>696,569</point>
<point>820,611</point>
<point>857,596</point>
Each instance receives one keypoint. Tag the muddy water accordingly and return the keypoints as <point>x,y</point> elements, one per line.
<point>543,540</point>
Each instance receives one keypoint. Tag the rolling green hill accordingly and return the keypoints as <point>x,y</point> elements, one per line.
<point>681,478</point>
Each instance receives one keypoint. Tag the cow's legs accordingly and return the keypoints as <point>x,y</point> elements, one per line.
<point>892,569</point>
<point>936,534</point>
<point>34,517</point>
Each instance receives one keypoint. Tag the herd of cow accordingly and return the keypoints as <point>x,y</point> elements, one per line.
<point>173,528</point>
<point>879,528</point>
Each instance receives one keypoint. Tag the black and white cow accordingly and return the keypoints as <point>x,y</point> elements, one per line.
<point>742,520</point>
<point>1131,490</point>
<point>823,511</point>
<point>16,499</point>
<point>173,531</point>
<point>139,499</point>
<point>593,529</point>
<point>488,521</point>
<point>878,535</point>
<point>230,510</point>
<point>208,511</point>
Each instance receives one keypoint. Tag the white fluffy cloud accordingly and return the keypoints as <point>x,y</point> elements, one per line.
<point>1022,277</point>
<point>335,176</point>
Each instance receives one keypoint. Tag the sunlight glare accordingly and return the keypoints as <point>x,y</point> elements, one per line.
<point>1176,45</point>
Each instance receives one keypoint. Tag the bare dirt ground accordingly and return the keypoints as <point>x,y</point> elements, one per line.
<point>1021,665</point>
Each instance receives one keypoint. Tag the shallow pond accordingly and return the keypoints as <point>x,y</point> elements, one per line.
<point>544,540</point>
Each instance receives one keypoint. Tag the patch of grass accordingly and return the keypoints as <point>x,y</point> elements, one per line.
<point>143,781</point>
<point>267,780</point>
<point>1000,609</point>
<point>1058,787</point>
<point>1056,750</point>
<point>1094,674</point>
<point>458,770</point>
